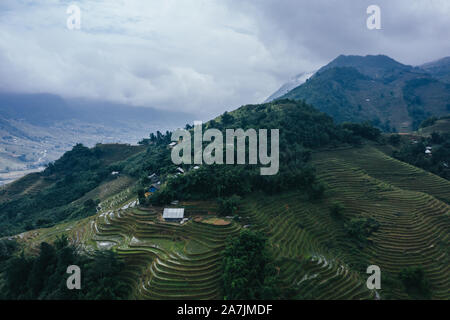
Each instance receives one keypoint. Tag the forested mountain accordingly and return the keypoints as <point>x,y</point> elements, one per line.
<point>393,96</point>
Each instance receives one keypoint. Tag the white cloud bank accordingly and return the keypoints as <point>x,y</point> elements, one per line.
<point>200,56</point>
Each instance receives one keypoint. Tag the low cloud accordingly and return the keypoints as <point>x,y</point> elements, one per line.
<point>201,56</point>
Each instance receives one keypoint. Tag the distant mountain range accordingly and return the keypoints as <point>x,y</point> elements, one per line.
<point>38,128</point>
<point>393,96</point>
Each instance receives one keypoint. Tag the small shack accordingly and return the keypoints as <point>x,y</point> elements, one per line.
<point>173,214</point>
<point>153,188</point>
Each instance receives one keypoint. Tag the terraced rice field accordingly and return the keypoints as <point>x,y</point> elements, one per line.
<point>392,171</point>
<point>315,257</point>
<point>313,253</point>
<point>304,240</point>
<point>165,260</point>
<point>415,224</point>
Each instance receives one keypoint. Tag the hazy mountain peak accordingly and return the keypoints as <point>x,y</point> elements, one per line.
<point>291,84</point>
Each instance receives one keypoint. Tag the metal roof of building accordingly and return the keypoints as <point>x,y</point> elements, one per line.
<point>173,213</point>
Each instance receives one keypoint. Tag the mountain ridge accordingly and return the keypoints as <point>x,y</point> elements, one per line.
<point>393,96</point>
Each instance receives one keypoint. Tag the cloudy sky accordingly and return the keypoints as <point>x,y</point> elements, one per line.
<point>201,56</point>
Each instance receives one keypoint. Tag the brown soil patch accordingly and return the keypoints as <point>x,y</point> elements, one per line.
<point>217,221</point>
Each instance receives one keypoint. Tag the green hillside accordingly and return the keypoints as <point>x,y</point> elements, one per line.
<point>339,204</point>
<point>54,195</point>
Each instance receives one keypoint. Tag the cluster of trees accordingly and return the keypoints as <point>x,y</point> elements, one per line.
<point>44,277</point>
<point>217,181</point>
<point>438,162</point>
<point>365,130</point>
<point>228,206</point>
<point>361,228</point>
<point>383,126</point>
<point>302,128</point>
<point>158,139</point>
<point>337,210</point>
<point>247,269</point>
<point>415,282</point>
